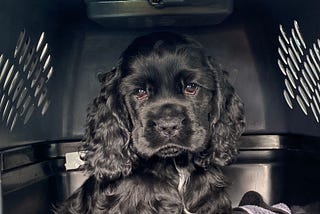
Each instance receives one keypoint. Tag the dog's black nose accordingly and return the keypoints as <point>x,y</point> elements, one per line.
<point>168,119</point>
<point>169,127</point>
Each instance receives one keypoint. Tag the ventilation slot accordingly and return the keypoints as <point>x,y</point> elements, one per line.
<point>24,79</point>
<point>300,66</point>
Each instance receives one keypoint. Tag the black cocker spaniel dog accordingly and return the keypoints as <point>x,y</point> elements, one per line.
<point>164,122</point>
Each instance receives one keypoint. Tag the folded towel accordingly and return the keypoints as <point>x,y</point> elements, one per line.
<point>253,209</point>
<point>253,203</point>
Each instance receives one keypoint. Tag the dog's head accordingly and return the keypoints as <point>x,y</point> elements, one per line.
<point>165,98</point>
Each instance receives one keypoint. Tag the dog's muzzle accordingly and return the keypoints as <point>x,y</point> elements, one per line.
<point>168,129</point>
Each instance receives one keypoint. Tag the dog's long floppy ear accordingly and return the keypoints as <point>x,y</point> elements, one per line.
<point>227,122</point>
<point>106,141</point>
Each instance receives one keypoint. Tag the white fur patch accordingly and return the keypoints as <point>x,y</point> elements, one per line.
<point>184,176</point>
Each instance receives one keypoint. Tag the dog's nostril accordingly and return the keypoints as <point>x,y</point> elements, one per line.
<point>151,123</point>
<point>183,121</point>
<point>162,128</point>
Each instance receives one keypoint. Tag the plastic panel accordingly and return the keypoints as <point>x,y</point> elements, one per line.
<point>245,44</point>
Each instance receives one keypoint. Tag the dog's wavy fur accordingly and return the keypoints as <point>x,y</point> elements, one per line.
<point>165,121</point>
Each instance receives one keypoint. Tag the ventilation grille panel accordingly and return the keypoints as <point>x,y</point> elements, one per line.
<point>300,66</point>
<point>23,80</point>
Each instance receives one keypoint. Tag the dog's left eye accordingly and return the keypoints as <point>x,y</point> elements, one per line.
<point>191,89</point>
<point>141,94</point>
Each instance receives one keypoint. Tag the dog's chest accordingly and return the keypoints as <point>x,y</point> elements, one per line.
<point>165,185</point>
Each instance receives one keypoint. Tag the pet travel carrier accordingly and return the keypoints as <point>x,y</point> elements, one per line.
<point>51,53</point>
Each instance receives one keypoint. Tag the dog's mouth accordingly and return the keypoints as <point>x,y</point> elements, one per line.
<point>170,151</point>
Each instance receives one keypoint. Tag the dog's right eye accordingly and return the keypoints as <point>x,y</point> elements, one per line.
<point>141,94</point>
<point>191,89</point>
